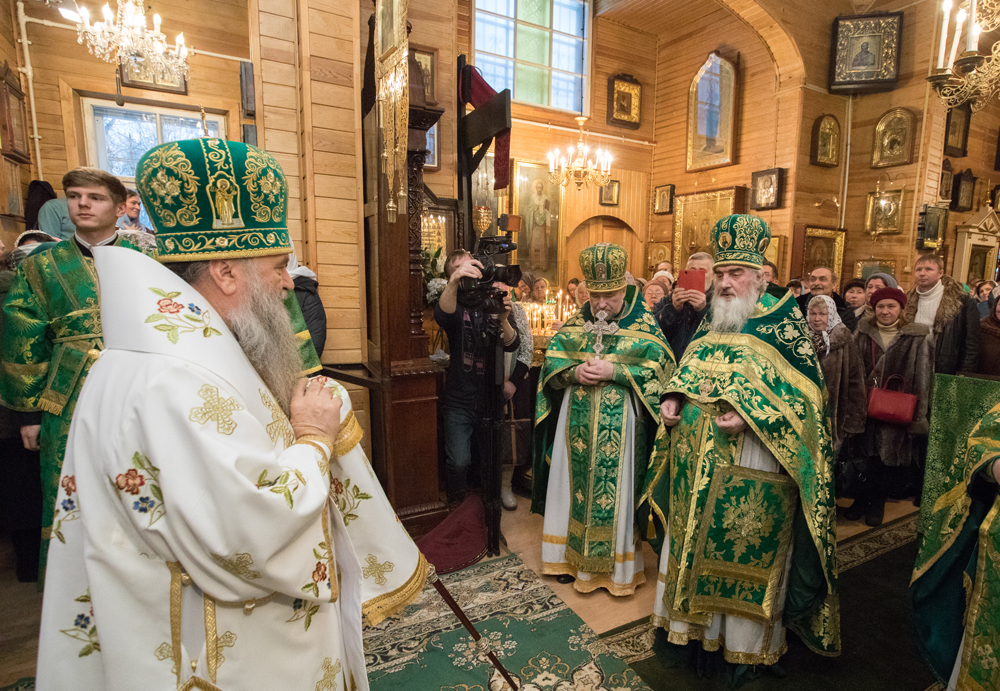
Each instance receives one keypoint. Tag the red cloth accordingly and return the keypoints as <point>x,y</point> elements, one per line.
<point>888,294</point>
<point>459,540</point>
<point>481,93</point>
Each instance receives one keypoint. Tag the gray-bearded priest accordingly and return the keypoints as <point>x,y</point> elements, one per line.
<point>751,540</point>
<point>197,546</point>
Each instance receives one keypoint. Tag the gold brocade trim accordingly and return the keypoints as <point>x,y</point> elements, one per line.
<point>50,407</point>
<point>311,370</point>
<point>231,254</point>
<point>175,616</point>
<point>379,608</point>
<point>696,633</point>
<point>554,539</point>
<point>303,335</point>
<point>323,445</point>
<point>350,435</point>
<point>198,683</point>
<point>984,562</point>
<point>47,533</point>
<point>211,639</point>
<point>331,560</point>
<point>597,581</point>
<point>626,333</point>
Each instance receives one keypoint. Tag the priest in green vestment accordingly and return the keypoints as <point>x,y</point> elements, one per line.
<point>751,534</point>
<point>52,328</point>
<point>598,397</point>
<point>955,589</point>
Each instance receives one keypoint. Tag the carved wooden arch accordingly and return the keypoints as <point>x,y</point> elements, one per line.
<point>783,49</point>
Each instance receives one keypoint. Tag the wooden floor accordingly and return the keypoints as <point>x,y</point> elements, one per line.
<point>21,604</point>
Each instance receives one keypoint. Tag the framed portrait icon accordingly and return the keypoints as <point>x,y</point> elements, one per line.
<point>766,189</point>
<point>864,53</point>
<point>711,117</point>
<point>624,101</point>
<point>663,200</point>
<point>824,148</point>
<point>608,196</point>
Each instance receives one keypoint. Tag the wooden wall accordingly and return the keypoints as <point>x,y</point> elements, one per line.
<point>767,117</point>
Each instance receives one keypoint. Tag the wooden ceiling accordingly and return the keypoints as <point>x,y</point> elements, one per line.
<point>655,17</point>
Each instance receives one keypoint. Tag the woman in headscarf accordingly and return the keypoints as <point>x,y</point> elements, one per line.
<point>989,337</point>
<point>890,346</point>
<point>522,293</point>
<point>655,290</point>
<point>843,369</point>
<point>983,292</point>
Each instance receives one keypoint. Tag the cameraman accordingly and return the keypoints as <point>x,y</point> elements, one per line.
<point>465,389</point>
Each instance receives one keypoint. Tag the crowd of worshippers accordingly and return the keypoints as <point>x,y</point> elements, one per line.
<point>870,333</point>
<point>718,415</point>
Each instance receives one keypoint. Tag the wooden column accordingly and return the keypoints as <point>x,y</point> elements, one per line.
<point>404,381</point>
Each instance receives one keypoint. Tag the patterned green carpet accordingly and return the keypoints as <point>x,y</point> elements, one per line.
<point>26,684</point>
<point>536,635</point>
<point>876,630</point>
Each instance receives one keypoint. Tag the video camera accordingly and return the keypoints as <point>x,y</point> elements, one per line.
<point>479,292</point>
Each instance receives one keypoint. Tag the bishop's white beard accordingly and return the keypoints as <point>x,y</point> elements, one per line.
<point>264,331</point>
<point>731,313</point>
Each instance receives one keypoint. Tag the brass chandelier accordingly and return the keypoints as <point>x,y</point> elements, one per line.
<point>580,169</point>
<point>970,77</point>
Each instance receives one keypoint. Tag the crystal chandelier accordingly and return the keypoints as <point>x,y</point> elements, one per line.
<point>580,169</point>
<point>971,77</point>
<point>124,37</point>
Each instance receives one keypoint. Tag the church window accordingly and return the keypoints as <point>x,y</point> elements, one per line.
<point>117,137</point>
<point>535,48</point>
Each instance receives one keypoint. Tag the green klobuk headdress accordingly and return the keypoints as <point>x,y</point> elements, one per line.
<point>741,239</point>
<point>603,267</point>
<point>214,199</point>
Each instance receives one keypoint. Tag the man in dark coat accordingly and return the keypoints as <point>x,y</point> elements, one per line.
<point>952,315</point>
<point>681,313</point>
<point>821,282</point>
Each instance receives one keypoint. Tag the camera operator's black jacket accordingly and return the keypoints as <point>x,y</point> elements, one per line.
<point>466,331</point>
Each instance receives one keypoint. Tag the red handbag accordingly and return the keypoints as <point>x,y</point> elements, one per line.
<point>894,407</point>
<point>886,405</point>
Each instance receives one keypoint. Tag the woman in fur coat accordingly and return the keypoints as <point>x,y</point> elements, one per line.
<point>890,345</point>
<point>843,370</point>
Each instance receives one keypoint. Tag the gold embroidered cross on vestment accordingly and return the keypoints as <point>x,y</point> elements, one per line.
<point>376,570</point>
<point>216,409</point>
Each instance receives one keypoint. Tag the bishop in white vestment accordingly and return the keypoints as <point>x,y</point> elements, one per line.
<point>196,544</point>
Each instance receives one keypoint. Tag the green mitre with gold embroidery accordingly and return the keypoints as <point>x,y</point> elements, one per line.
<point>740,239</point>
<point>211,198</point>
<point>603,266</point>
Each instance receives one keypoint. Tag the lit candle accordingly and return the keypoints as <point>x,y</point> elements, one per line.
<point>156,25</point>
<point>959,20</point>
<point>107,13</point>
<point>552,163</point>
<point>86,17</point>
<point>946,11</point>
<point>976,30</point>
<point>972,39</point>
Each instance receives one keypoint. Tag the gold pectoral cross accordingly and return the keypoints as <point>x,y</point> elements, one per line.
<point>600,328</point>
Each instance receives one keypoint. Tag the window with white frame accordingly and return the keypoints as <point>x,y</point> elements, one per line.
<point>535,48</point>
<point>117,137</point>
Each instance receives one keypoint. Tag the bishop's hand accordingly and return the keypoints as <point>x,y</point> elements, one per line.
<point>731,422</point>
<point>594,372</point>
<point>670,411</point>
<point>315,409</point>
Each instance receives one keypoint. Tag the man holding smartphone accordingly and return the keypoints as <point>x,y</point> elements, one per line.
<point>680,316</point>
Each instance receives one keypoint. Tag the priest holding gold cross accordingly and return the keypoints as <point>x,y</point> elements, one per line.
<point>598,405</point>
